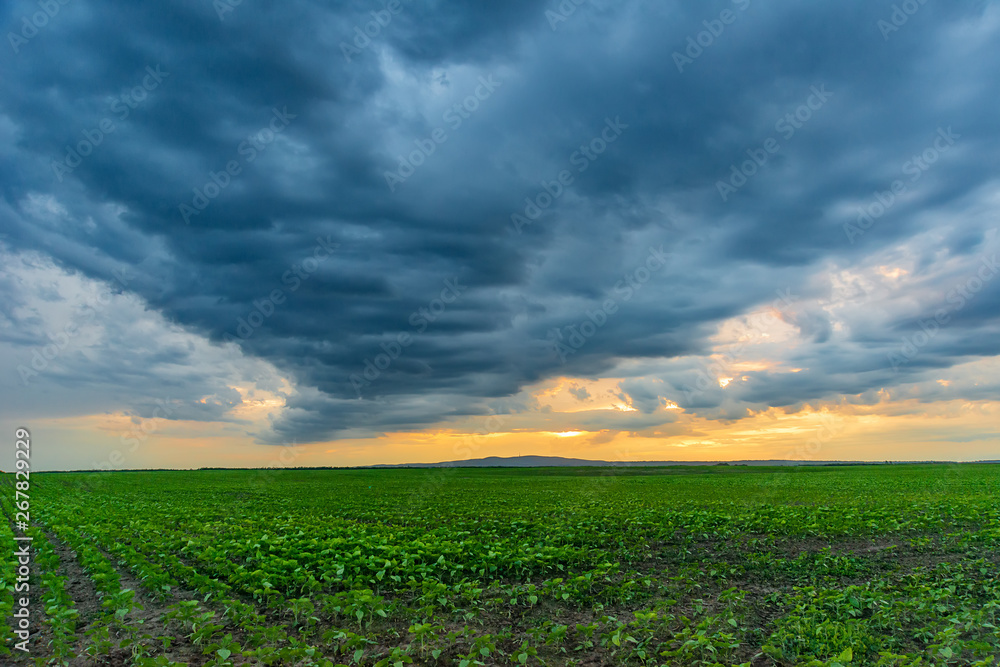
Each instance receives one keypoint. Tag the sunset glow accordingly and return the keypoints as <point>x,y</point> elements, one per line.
<point>459,242</point>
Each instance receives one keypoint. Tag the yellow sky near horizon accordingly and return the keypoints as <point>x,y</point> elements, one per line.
<point>887,430</point>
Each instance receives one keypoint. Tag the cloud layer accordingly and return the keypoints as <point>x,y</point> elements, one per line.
<point>414,214</point>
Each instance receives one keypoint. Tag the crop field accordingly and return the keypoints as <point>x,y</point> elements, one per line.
<point>722,565</point>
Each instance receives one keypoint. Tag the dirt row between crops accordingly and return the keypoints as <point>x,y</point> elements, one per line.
<point>40,631</point>
<point>397,626</point>
<point>881,549</point>
<point>283,616</point>
<point>181,649</point>
<point>147,620</point>
<point>140,621</point>
<point>83,592</point>
<point>517,619</point>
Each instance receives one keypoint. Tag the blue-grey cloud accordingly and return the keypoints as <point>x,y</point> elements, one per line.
<point>400,231</point>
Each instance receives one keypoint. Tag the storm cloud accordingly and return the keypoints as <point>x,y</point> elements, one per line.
<point>413,211</point>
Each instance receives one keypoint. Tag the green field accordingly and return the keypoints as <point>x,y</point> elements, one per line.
<point>865,565</point>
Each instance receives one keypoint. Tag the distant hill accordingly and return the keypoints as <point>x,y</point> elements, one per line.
<point>560,461</point>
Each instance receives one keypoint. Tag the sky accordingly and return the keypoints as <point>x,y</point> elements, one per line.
<point>284,233</point>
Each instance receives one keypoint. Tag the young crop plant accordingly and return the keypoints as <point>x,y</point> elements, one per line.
<point>8,581</point>
<point>817,565</point>
<point>60,611</point>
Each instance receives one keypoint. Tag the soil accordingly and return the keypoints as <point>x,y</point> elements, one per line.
<point>882,553</point>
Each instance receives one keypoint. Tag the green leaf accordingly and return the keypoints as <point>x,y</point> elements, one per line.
<point>224,653</point>
<point>846,656</point>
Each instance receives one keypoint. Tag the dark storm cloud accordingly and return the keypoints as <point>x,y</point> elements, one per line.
<point>287,143</point>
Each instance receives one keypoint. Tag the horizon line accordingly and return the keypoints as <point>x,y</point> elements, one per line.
<point>594,463</point>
